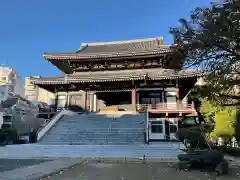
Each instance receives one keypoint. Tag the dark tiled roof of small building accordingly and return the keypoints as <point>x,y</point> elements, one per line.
<point>129,48</point>
<point>124,75</point>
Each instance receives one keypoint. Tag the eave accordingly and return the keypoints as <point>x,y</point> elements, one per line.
<point>111,76</point>
<point>87,57</point>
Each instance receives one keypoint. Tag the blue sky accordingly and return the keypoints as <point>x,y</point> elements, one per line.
<point>28,28</point>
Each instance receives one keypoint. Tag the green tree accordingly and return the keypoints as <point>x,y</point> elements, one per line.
<point>225,123</point>
<point>208,108</point>
<point>225,118</point>
<point>211,42</point>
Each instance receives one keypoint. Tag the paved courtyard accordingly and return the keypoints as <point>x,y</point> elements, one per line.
<point>92,170</point>
<point>102,169</point>
<point>11,164</point>
<point>32,169</point>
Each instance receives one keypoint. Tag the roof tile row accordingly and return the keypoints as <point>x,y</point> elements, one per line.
<point>124,75</point>
<point>151,46</point>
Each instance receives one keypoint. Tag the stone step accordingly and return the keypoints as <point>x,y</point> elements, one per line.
<point>82,132</point>
<point>116,151</point>
<point>96,129</point>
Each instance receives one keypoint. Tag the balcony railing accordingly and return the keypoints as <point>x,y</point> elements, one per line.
<point>164,106</point>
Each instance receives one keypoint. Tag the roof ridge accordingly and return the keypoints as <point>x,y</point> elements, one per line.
<point>121,41</point>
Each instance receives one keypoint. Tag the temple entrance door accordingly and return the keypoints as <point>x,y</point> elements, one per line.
<point>75,102</point>
<point>157,129</point>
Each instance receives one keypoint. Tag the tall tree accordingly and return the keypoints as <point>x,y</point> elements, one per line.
<point>211,41</point>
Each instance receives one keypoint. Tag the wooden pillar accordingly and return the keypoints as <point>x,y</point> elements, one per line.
<point>134,98</point>
<point>138,98</point>
<point>177,93</point>
<point>94,102</point>
<point>163,97</point>
<point>56,99</point>
<point>67,100</point>
<point>86,98</point>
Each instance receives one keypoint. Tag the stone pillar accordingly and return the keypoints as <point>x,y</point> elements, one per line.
<point>134,98</point>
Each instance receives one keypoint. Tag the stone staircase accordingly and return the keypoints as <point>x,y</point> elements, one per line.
<point>110,135</point>
<point>163,150</point>
<point>96,129</point>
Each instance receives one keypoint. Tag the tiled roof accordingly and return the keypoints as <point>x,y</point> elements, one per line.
<point>106,76</point>
<point>172,74</point>
<point>48,80</point>
<point>140,45</point>
<point>150,46</point>
<point>124,75</point>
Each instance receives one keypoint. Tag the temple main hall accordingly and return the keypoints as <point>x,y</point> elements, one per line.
<point>130,75</point>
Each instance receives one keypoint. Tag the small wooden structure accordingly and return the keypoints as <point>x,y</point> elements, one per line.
<point>162,121</point>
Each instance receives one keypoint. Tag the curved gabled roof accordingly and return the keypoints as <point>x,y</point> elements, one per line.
<point>128,48</point>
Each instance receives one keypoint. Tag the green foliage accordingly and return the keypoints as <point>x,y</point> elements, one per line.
<point>208,109</point>
<point>210,41</point>
<point>8,134</point>
<point>225,118</point>
<point>225,123</point>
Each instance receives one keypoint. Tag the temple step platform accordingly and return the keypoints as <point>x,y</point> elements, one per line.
<point>165,150</point>
<point>97,129</point>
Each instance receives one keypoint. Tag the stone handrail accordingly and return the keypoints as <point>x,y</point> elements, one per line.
<point>53,121</point>
<point>48,121</point>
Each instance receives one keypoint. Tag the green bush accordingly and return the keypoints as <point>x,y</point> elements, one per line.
<point>8,134</point>
<point>11,134</point>
<point>225,123</point>
<point>2,135</point>
<point>225,118</point>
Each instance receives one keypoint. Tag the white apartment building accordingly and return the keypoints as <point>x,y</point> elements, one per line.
<point>10,83</point>
<point>35,93</point>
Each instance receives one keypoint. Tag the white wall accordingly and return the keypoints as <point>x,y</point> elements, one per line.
<point>5,92</point>
<point>9,77</point>
<point>19,86</point>
<point>35,93</point>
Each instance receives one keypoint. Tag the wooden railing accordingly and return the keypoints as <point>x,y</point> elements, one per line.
<point>163,106</point>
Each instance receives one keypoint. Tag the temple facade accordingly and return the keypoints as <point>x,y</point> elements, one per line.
<point>131,75</point>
